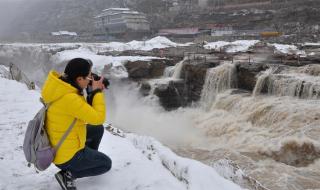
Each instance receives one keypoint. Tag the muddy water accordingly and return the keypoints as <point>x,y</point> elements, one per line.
<point>275,140</point>
<point>272,139</point>
<point>260,141</point>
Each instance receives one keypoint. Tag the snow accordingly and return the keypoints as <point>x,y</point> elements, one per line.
<point>60,53</point>
<point>117,9</point>
<point>148,45</point>
<point>99,61</point>
<point>67,33</point>
<point>139,162</point>
<point>311,44</point>
<point>231,47</point>
<point>4,72</point>
<point>288,49</point>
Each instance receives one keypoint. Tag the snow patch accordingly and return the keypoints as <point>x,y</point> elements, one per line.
<point>288,49</point>
<point>231,47</point>
<point>188,171</point>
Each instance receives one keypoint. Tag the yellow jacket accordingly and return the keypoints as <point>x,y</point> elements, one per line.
<point>66,105</point>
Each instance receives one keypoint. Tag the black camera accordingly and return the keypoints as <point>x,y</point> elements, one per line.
<point>105,81</point>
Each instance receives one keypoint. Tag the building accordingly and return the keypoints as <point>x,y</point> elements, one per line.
<point>179,32</point>
<point>121,21</point>
<point>203,3</point>
<point>64,33</point>
<point>222,31</point>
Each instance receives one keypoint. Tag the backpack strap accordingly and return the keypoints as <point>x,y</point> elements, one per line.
<point>65,135</point>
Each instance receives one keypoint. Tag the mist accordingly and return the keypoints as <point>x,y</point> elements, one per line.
<point>128,110</point>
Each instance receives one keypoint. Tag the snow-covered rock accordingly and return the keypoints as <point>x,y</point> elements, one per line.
<point>288,49</point>
<point>231,47</point>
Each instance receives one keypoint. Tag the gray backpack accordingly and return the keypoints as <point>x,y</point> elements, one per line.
<point>36,146</point>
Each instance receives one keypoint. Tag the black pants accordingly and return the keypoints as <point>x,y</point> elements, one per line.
<point>89,161</point>
<point>94,136</point>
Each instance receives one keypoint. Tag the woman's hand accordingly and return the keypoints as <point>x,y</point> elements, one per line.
<point>98,84</point>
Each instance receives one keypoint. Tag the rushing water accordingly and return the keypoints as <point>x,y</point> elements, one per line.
<point>265,140</point>
<point>272,138</point>
<point>303,82</point>
<point>218,79</point>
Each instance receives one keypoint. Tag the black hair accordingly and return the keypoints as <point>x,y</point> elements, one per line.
<point>77,67</point>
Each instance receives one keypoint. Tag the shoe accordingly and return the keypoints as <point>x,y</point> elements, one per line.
<point>65,180</point>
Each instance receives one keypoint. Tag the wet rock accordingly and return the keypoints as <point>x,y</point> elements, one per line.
<point>136,53</point>
<point>157,67</point>
<point>194,73</point>
<point>295,154</point>
<point>145,69</point>
<point>145,88</point>
<point>247,74</point>
<point>171,94</point>
<point>138,69</point>
<point>54,51</point>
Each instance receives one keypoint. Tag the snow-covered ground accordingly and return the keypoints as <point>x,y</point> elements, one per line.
<point>244,45</point>
<point>288,49</point>
<point>36,58</point>
<point>156,42</point>
<point>99,61</point>
<point>231,47</point>
<point>139,162</point>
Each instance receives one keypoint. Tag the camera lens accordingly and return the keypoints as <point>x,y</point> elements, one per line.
<point>106,82</point>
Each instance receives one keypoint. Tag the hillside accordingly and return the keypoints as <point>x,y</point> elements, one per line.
<point>37,19</point>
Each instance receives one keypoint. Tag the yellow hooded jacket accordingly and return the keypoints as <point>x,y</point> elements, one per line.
<point>66,104</point>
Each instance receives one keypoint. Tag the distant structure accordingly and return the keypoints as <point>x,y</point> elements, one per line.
<point>203,3</point>
<point>64,33</point>
<point>179,32</point>
<point>121,22</point>
<point>222,31</point>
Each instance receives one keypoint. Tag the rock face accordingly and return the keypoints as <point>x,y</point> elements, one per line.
<point>194,74</point>
<point>185,87</point>
<point>247,73</point>
<point>138,69</point>
<point>171,95</point>
<point>145,88</point>
<point>145,69</point>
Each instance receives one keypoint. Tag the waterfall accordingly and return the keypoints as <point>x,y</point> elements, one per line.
<point>168,71</point>
<point>217,80</point>
<point>293,84</point>
<point>173,72</point>
<point>261,82</point>
<point>177,70</point>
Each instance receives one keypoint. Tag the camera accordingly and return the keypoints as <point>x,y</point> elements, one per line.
<point>105,81</point>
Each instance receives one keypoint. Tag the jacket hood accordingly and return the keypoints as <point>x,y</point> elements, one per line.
<point>54,88</point>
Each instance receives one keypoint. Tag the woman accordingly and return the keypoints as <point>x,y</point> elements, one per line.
<point>76,157</point>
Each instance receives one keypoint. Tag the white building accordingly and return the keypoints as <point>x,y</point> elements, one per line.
<point>121,20</point>
<point>222,31</point>
<point>64,33</point>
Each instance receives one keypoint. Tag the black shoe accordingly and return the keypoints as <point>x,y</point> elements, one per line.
<point>65,180</point>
